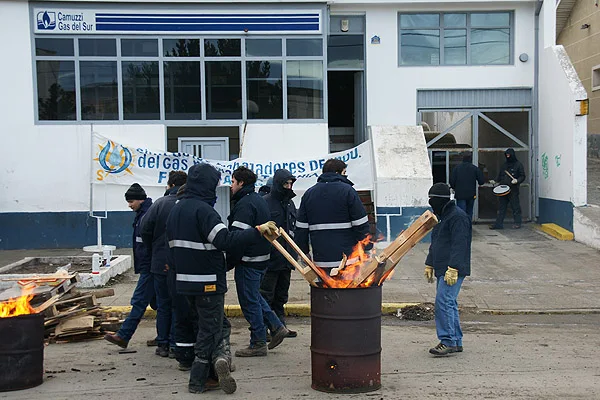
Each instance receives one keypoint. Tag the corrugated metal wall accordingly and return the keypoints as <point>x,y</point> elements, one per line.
<point>475,98</point>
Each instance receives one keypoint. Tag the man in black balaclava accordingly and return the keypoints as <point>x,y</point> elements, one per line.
<point>512,174</point>
<point>448,262</point>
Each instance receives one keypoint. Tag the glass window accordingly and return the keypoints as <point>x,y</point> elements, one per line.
<point>490,46</point>
<point>263,47</point>
<point>139,47</point>
<point>181,47</point>
<point>182,90</point>
<point>490,19</point>
<point>455,20</point>
<point>97,47</point>
<point>99,90</point>
<point>264,89</point>
<point>56,90</point>
<point>305,89</point>
<point>455,46</point>
<point>304,47</point>
<point>345,51</point>
<point>223,90</point>
<point>140,90</point>
<point>222,47</point>
<point>53,47</point>
<point>420,47</point>
<point>419,20</point>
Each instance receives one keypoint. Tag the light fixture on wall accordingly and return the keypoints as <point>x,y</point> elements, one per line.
<point>344,25</point>
<point>585,26</point>
<point>584,107</point>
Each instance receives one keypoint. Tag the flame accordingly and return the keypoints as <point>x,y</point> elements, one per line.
<point>358,257</point>
<point>17,306</point>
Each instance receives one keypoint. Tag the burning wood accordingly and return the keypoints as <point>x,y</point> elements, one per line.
<point>359,268</point>
<point>17,306</point>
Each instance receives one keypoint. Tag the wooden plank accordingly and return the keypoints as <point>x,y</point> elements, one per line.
<point>70,325</point>
<point>88,301</point>
<point>46,304</point>
<point>303,271</point>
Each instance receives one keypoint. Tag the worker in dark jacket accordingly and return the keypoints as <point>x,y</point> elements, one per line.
<point>275,284</point>
<point>144,291</point>
<point>331,217</point>
<point>464,180</point>
<point>197,238</point>
<point>448,261</point>
<point>249,210</point>
<point>512,174</point>
<point>154,235</point>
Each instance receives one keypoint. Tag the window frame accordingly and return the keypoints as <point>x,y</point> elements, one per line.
<point>468,27</point>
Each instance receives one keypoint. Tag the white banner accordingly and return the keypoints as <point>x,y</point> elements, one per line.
<point>120,164</point>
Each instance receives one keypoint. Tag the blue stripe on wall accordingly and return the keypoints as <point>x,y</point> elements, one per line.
<point>556,211</point>
<point>203,20</point>
<point>208,27</point>
<point>209,15</point>
<point>63,230</point>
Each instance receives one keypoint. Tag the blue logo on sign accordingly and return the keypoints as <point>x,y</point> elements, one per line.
<point>46,20</point>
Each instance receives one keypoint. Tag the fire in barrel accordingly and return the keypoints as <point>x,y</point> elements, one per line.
<point>346,310</point>
<point>21,344</point>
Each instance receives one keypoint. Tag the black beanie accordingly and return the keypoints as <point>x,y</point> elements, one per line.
<point>135,192</point>
<point>440,190</point>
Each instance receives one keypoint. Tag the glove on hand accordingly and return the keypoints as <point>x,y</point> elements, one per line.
<point>514,181</point>
<point>451,276</point>
<point>268,228</point>
<point>429,276</point>
<point>493,182</point>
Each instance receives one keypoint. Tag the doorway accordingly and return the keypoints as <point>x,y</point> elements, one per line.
<point>345,102</point>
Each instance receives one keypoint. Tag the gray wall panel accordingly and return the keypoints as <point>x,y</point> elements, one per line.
<point>474,98</point>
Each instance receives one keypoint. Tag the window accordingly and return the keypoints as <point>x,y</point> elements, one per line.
<point>455,38</point>
<point>99,90</point>
<point>182,90</point>
<point>223,90</point>
<point>305,89</point>
<point>264,89</point>
<point>345,51</point>
<point>56,90</point>
<point>140,90</point>
<point>596,78</point>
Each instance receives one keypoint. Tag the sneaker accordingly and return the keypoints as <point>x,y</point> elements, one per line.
<point>116,339</point>
<point>256,350</point>
<point>442,350</point>
<point>516,226</point>
<point>278,337</point>
<point>226,381</point>
<point>171,352</point>
<point>151,343</point>
<point>184,366</point>
<point>292,333</point>
<point>496,227</point>
<point>162,351</point>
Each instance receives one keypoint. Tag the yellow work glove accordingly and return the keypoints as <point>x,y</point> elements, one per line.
<point>429,274</point>
<point>451,276</point>
<point>268,228</point>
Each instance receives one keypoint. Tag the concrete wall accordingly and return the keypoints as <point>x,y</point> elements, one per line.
<point>583,47</point>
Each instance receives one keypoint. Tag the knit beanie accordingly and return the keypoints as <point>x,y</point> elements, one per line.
<point>440,190</point>
<point>135,192</point>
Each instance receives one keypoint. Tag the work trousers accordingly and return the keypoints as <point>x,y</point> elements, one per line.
<point>513,199</point>
<point>142,296</point>
<point>274,288</point>
<point>164,313</point>
<point>184,326</point>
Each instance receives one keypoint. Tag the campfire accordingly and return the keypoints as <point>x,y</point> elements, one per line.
<point>17,306</point>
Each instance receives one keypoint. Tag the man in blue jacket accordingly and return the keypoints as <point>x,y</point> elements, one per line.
<point>464,180</point>
<point>197,238</point>
<point>154,235</point>
<point>275,284</point>
<point>448,261</point>
<point>144,291</point>
<point>331,217</point>
<point>249,210</point>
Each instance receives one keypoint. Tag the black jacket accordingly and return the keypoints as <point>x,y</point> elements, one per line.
<point>334,218</point>
<point>464,180</point>
<point>249,210</point>
<point>141,253</point>
<point>451,242</point>
<point>197,236</point>
<point>515,168</point>
<point>154,230</point>
<point>283,213</point>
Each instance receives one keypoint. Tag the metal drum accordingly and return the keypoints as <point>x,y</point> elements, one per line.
<point>21,352</point>
<point>346,339</point>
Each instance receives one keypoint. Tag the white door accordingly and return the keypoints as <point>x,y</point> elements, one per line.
<point>213,148</point>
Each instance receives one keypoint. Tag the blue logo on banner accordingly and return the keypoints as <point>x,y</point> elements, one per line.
<point>46,20</point>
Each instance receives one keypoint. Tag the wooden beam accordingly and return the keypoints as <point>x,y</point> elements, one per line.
<point>305,272</point>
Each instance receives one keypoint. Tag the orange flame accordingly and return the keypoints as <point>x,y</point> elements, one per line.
<point>17,306</point>
<point>357,258</point>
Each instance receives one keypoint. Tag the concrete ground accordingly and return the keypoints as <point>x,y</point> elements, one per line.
<point>593,191</point>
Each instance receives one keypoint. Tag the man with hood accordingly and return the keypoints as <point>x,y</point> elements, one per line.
<point>197,238</point>
<point>464,180</point>
<point>275,284</point>
<point>513,167</point>
<point>448,263</point>
<point>250,209</point>
<point>144,291</point>
<point>266,188</point>
<point>331,217</point>
<point>154,235</point>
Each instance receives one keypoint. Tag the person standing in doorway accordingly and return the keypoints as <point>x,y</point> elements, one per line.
<point>144,290</point>
<point>464,180</point>
<point>275,284</point>
<point>448,263</point>
<point>512,174</point>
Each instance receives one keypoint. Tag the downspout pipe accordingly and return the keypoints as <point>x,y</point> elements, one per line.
<point>536,109</point>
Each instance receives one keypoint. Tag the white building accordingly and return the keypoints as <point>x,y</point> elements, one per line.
<point>306,77</point>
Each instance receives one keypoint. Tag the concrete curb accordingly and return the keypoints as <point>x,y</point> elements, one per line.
<point>556,231</point>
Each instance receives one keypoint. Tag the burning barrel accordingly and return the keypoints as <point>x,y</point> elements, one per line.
<point>346,339</point>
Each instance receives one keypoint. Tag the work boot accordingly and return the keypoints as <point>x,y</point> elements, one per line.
<point>443,350</point>
<point>116,339</point>
<point>199,375</point>
<point>494,226</point>
<point>258,349</point>
<point>278,337</point>
<point>459,349</point>
<point>184,366</point>
<point>172,352</point>
<point>291,333</point>
<point>151,343</point>
<point>212,384</point>
<point>162,351</point>
<point>223,373</point>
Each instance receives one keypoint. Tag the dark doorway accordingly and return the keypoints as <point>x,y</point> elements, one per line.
<point>343,101</point>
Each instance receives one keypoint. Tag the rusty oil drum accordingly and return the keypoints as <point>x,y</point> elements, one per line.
<point>346,339</point>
